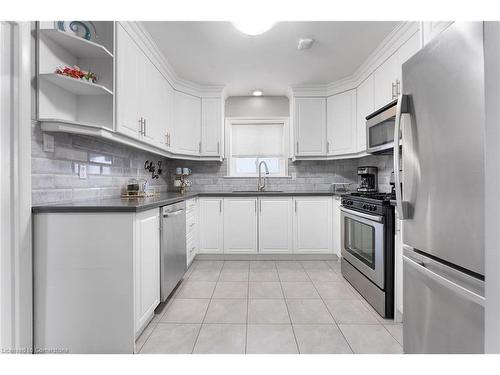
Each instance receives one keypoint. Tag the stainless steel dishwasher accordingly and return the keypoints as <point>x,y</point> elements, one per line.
<point>173,247</point>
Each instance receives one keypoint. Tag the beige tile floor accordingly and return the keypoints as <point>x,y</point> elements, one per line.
<point>239,307</point>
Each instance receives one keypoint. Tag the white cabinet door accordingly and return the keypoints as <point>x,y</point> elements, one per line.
<point>341,123</point>
<point>312,227</point>
<point>385,81</point>
<point>364,107</point>
<point>337,243</point>
<point>275,225</point>
<point>152,107</point>
<point>310,126</point>
<point>210,225</point>
<point>147,266</point>
<point>187,123</point>
<point>211,125</point>
<point>240,225</point>
<point>127,84</point>
<point>406,51</point>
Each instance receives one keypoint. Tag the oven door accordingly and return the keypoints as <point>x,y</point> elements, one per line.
<point>380,131</point>
<point>363,243</point>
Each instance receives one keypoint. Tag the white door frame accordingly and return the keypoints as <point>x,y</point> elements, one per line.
<point>16,318</point>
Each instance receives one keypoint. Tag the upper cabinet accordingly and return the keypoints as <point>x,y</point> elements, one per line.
<point>187,123</point>
<point>365,106</point>
<point>211,126</point>
<point>388,76</point>
<point>310,126</point>
<point>341,123</point>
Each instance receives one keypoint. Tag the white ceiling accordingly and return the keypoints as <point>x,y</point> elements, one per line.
<point>217,53</point>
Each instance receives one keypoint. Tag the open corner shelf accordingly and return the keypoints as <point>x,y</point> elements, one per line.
<point>77,46</point>
<point>76,86</point>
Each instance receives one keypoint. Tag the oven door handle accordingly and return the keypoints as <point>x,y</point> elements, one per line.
<point>377,218</point>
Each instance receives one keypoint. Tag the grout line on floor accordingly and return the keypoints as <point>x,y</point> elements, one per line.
<point>287,310</point>
<point>329,312</point>
<point>206,311</point>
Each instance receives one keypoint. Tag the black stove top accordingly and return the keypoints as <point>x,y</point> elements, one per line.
<point>374,203</point>
<point>376,196</point>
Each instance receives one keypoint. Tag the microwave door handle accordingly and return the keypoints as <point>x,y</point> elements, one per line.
<point>401,107</point>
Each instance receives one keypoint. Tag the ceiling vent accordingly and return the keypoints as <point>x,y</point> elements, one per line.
<point>305,43</point>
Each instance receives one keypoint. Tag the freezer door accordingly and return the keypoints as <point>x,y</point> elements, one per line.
<point>443,147</point>
<point>443,308</point>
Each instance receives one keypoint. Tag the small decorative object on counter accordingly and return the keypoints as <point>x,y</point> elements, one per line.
<point>76,73</point>
<point>81,29</point>
<point>155,172</point>
<point>181,180</point>
<point>138,189</point>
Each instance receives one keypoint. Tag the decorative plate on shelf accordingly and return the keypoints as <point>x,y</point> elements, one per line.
<point>82,29</point>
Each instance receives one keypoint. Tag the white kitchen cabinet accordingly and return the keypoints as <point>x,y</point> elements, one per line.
<point>146,266</point>
<point>312,225</point>
<point>406,51</point>
<point>310,126</point>
<point>210,225</point>
<point>275,225</point>
<point>388,76</point>
<point>240,225</point>
<point>341,123</point>
<point>127,84</point>
<point>364,106</point>
<point>211,125</point>
<point>431,29</point>
<point>192,230</point>
<point>336,228</point>
<point>187,123</point>
<point>385,81</point>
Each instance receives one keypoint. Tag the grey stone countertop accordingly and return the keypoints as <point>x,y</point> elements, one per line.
<point>164,199</point>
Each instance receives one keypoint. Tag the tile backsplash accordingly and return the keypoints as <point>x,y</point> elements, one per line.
<point>109,167</point>
<point>310,175</point>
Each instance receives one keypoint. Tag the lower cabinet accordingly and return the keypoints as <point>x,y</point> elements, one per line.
<point>336,227</point>
<point>275,225</point>
<point>192,230</point>
<point>210,225</point>
<point>240,225</point>
<point>312,225</point>
<point>146,266</point>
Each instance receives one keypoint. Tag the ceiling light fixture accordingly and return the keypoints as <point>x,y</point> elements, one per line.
<point>253,27</point>
<point>257,93</point>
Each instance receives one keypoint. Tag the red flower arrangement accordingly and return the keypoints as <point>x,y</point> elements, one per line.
<point>77,73</point>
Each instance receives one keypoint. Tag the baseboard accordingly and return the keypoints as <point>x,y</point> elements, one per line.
<point>267,257</point>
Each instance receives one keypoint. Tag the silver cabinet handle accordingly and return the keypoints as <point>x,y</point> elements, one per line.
<point>327,146</point>
<point>393,90</point>
<point>398,87</point>
<point>220,205</point>
<point>255,205</point>
<point>260,204</point>
<point>218,148</point>
<point>297,147</point>
<point>140,126</point>
<point>144,127</point>
<point>295,206</point>
<point>199,147</point>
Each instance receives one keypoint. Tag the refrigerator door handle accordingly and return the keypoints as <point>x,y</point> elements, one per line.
<point>465,293</point>
<point>401,107</point>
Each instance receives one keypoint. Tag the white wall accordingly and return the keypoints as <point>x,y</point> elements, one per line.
<point>253,106</point>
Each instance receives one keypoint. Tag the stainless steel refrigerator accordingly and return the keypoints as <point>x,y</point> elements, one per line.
<point>442,122</point>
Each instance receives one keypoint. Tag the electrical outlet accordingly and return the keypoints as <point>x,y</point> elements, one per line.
<point>48,142</point>
<point>82,172</point>
<point>294,175</point>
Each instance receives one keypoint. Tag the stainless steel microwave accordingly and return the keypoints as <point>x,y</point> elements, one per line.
<point>380,129</point>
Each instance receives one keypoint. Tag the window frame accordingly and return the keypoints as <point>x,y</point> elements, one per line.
<point>235,121</point>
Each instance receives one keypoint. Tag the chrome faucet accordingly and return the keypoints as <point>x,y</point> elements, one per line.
<point>261,186</point>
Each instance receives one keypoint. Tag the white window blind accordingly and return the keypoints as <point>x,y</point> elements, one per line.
<point>254,141</point>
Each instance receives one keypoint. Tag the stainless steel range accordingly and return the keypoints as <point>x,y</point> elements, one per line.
<point>367,225</point>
